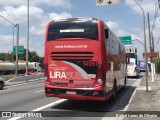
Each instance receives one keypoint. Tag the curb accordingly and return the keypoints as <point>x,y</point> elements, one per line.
<point>22,82</point>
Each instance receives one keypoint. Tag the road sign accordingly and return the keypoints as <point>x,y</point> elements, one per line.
<point>20,49</point>
<point>106,2</point>
<point>125,40</point>
<point>151,55</point>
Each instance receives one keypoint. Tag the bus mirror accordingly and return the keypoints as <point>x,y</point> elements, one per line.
<point>106,33</point>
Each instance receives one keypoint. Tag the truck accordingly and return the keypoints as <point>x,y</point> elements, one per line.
<point>7,67</point>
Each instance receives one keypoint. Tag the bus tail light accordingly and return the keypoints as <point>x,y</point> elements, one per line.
<point>46,70</point>
<point>46,74</point>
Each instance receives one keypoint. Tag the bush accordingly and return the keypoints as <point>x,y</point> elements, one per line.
<point>157,63</point>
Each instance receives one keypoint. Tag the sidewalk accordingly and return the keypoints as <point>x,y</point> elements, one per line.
<point>146,101</point>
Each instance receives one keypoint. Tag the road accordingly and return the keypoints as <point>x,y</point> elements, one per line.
<point>30,97</point>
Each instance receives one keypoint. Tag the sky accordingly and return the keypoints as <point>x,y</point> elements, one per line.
<point>124,19</point>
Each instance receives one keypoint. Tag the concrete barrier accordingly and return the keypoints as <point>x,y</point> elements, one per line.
<point>21,79</point>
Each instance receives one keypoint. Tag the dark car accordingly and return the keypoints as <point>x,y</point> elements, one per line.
<point>1,83</point>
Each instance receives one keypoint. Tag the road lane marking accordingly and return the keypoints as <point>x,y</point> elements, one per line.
<point>41,108</point>
<point>39,91</point>
<point>135,84</point>
<point>138,83</point>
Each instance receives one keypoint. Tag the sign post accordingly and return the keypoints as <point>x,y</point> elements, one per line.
<point>152,55</point>
<point>20,49</point>
<point>125,40</point>
<point>106,2</point>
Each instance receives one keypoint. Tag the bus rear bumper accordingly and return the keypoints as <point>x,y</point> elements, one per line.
<point>75,94</point>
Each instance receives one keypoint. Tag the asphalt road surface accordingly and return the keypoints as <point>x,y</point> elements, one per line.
<point>30,97</point>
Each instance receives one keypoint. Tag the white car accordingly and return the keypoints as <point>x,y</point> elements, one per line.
<point>1,83</point>
<point>133,70</point>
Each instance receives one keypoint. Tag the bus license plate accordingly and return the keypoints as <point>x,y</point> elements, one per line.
<point>71,92</point>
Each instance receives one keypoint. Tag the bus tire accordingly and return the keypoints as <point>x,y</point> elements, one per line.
<point>125,80</point>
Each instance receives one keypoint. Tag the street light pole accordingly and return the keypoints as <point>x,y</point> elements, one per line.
<point>145,46</point>
<point>13,43</point>
<point>15,25</point>
<point>138,41</point>
<point>27,49</point>
<point>16,71</point>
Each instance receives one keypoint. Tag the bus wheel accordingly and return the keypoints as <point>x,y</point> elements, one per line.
<point>125,80</point>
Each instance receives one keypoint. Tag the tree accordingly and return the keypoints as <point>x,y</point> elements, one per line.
<point>33,57</point>
<point>157,62</point>
<point>3,56</point>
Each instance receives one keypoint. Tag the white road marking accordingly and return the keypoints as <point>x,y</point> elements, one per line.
<point>136,84</point>
<point>39,91</point>
<point>41,108</point>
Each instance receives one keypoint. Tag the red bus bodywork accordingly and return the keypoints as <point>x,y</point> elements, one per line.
<point>82,68</point>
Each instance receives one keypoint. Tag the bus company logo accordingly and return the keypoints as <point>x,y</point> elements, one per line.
<point>6,114</point>
<point>100,1</point>
<point>68,75</point>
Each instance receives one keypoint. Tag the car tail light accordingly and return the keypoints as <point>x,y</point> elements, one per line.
<point>135,69</point>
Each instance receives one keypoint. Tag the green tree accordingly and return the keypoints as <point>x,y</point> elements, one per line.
<point>3,56</point>
<point>157,62</point>
<point>33,57</point>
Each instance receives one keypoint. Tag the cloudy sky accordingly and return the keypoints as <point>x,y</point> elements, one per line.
<point>124,19</point>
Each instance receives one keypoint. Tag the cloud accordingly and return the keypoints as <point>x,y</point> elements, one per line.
<point>147,6</point>
<point>53,3</point>
<point>112,24</point>
<point>38,18</point>
<point>38,21</point>
<point>7,43</point>
<point>15,15</point>
<point>39,28</point>
<point>116,28</point>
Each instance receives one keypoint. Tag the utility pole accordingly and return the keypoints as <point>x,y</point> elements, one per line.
<point>151,51</point>
<point>27,39</point>
<point>13,44</point>
<point>16,71</point>
<point>145,46</point>
<point>152,40</point>
<point>149,31</point>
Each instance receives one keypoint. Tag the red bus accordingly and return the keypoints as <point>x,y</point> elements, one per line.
<point>83,59</point>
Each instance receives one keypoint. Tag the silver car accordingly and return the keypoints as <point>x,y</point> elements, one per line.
<point>1,83</point>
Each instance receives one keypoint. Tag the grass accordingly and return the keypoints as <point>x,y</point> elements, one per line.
<point>6,78</point>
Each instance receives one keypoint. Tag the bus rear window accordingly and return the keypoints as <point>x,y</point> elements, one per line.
<point>73,29</point>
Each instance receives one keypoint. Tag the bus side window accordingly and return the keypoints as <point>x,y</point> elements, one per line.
<point>106,33</point>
